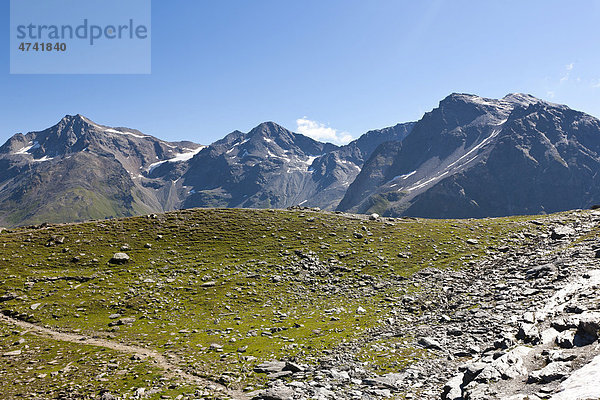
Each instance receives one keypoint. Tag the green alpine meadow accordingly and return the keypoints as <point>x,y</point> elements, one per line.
<point>216,292</point>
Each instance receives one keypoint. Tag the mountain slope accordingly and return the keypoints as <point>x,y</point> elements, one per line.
<point>337,170</point>
<point>476,157</point>
<point>78,170</point>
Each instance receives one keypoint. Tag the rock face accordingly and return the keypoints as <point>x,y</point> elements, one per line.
<point>476,157</point>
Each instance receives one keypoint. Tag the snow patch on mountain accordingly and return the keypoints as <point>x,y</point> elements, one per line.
<point>188,155</point>
<point>405,176</point>
<point>26,149</point>
<point>114,131</point>
<point>45,158</point>
<point>125,133</point>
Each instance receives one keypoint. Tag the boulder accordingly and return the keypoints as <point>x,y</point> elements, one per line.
<point>279,392</point>
<point>508,366</point>
<point>452,389</point>
<point>119,258</point>
<point>561,232</point>
<point>471,370</point>
<point>589,324</point>
<point>528,333</point>
<point>551,372</point>
<point>291,366</point>
<point>541,271</point>
<point>566,339</point>
<point>126,321</point>
<point>391,380</point>
<point>430,343</point>
<point>270,367</point>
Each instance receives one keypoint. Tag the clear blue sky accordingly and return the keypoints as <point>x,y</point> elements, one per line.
<point>352,65</point>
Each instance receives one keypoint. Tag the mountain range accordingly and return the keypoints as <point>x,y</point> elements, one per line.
<point>469,157</point>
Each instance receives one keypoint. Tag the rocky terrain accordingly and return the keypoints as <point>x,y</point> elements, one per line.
<point>521,324</point>
<point>302,304</point>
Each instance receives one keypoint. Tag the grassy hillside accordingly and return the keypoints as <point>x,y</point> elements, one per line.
<point>79,188</point>
<point>216,292</point>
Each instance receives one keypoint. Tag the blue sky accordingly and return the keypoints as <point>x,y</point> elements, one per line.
<point>334,68</point>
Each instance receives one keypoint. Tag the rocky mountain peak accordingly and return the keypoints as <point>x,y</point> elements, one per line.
<point>75,126</point>
<point>270,130</point>
<point>506,104</point>
<point>523,99</point>
<point>71,118</point>
<point>467,98</point>
<point>460,109</point>
<point>472,151</point>
<point>268,126</point>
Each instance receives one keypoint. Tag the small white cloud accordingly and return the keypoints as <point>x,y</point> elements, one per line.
<point>322,132</point>
<point>550,94</point>
<point>567,75</point>
<point>596,83</point>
